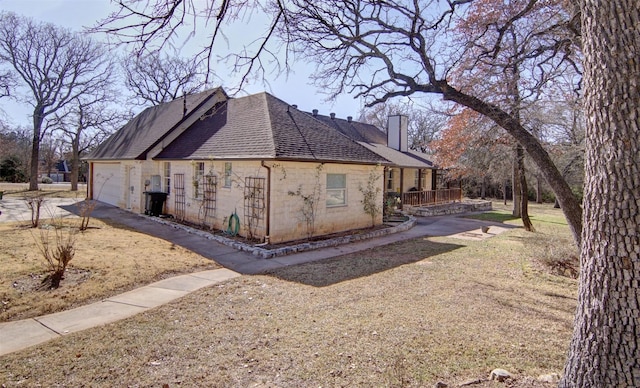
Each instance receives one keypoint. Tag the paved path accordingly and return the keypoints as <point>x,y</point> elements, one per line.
<point>15,209</point>
<point>19,335</point>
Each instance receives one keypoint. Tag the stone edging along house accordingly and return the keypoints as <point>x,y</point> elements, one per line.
<point>254,165</point>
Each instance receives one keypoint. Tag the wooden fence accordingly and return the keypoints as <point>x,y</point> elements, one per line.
<point>431,197</point>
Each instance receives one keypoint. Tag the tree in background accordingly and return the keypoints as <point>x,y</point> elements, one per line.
<point>424,121</point>
<point>380,50</point>
<point>154,78</point>
<point>354,37</point>
<point>15,145</point>
<point>50,153</point>
<point>84,124</point>
<point>471,148</point>
<point>54,67</point>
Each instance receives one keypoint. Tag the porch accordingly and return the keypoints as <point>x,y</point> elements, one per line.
<point>430,197</point>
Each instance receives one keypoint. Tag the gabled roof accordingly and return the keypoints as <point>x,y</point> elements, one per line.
<point>263,126</point>
<point>375,140</point>
<point>134,139</point>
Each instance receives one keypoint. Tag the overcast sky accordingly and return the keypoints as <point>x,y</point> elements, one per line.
<point>76,14</point>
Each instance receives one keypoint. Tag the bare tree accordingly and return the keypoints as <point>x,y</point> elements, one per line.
<point>54,66</point>
<point>151,26</point>
<point>424,121</point>
<point>85,123</point>
<point>378,49</point>
<point>50,153</point>
<point>155,78</point>
<point>6,83</point>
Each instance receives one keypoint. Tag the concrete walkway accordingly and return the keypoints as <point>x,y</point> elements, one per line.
<point>19,335</point>
<point>22,334</point>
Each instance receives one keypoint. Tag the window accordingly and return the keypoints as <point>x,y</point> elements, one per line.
<point>336,189</point>
<point>390,180</point>
<point>198,179</point>
<point>166,177</point>
<point>227,174</point>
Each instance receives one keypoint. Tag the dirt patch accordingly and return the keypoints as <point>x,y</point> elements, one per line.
<point>37,282</point>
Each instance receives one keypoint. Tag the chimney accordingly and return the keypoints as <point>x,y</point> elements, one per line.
<point>184,105</point>
<point>333,115</point>
<point>349,118</point>
<point>315,112</point>
<point>397,132</point>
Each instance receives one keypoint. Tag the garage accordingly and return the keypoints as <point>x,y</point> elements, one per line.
<point>107,183</point>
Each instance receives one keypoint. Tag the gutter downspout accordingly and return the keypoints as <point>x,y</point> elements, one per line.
<point>268,198</point>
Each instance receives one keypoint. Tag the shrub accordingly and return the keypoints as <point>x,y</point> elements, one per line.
<point>46,180</point>
<point>34,203</point>
<point>57,251</point>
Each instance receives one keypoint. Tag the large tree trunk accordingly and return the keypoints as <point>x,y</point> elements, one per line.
<point>35,149</point>
<point>605,348</point>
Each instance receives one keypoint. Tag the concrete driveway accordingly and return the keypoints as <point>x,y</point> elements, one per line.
<point>16,209</point>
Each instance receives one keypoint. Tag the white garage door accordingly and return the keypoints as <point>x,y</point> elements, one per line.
<point>107,186</point>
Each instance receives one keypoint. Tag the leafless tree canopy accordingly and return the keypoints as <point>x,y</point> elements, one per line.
<point>53,67</point>
<point>156,78</point>
<point>157,25</point>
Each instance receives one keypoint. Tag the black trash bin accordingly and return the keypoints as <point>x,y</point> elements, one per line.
<point>154,203</point>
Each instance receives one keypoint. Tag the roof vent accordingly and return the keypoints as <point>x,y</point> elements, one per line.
<point>333,115</point>
<point>315,112</point>
<point>294,106</point>
<point>349,118</point>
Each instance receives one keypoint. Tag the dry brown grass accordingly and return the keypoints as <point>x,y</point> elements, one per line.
<point>108,260</point>
<point>21,190</point>
<point>404,315</point>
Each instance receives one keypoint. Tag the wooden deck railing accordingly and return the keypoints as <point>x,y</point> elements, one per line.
<point>431,197</point>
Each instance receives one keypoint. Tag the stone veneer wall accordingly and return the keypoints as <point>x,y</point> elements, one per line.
<point>449,208</point>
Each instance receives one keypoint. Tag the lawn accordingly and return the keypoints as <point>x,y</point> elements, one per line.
<point>108,260</point>
<point>47,190</point>
<point>407,314</point>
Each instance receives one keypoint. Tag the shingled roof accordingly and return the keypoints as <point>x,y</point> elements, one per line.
<point>265,127</point>
<point>375,140</point>
<point>148,127</point>
<point>355,130</point>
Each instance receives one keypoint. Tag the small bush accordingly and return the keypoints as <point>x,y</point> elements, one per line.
<point>34,203</point>
<point>57,250</point>
<point>46,180</point>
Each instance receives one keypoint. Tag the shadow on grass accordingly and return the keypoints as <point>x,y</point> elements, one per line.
<point>493,216</point>
<point>360,264</point>
<point>526,301</point>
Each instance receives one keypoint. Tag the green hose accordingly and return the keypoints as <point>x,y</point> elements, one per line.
<point>233,226</point>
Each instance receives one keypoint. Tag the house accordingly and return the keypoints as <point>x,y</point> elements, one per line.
<point>408,170</point>
<point>60,171</point>
<point>253,165</point>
